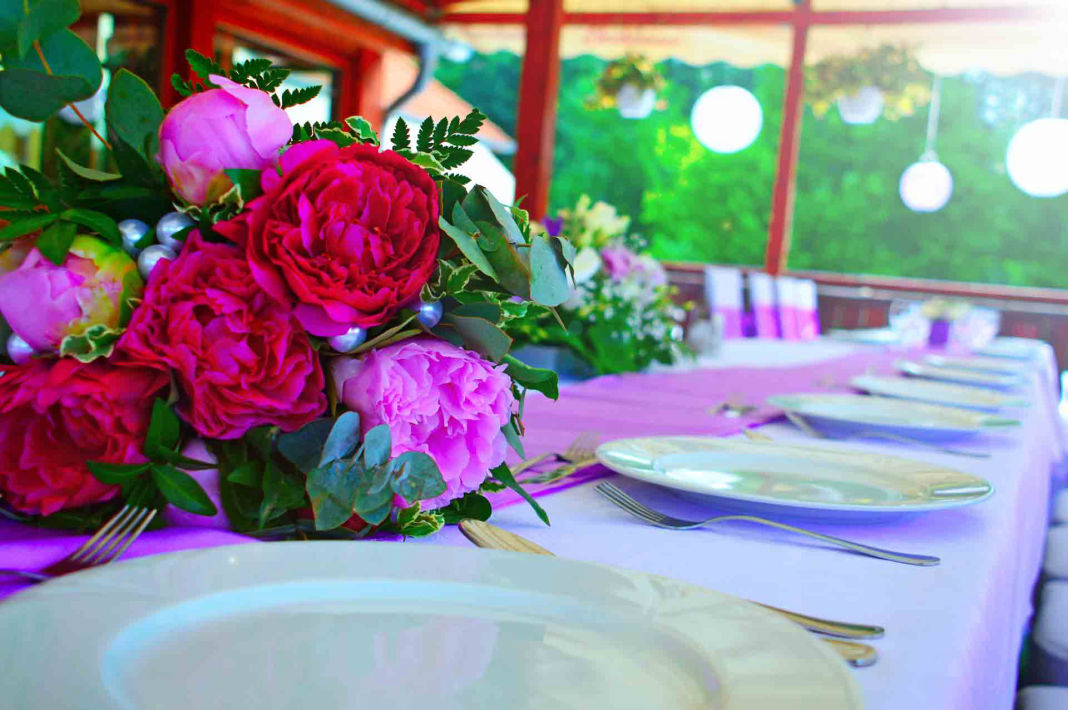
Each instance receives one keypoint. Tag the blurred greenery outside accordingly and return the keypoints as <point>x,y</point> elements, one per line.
<point>696,205</point>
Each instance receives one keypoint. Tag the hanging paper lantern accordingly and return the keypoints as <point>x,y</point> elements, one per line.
<point>926,186</point>
<point>727,119</point>
<point>1037,158</point>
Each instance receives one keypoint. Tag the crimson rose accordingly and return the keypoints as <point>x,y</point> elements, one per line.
<point>240,357</point>
<point>55,415</point>
<point>346,236</point>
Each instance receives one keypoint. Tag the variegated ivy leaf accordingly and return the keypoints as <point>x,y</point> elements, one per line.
<point>97,341</point>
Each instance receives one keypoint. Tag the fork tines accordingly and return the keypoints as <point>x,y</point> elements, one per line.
<point>112,539</point>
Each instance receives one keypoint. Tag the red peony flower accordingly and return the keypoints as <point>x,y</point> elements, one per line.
<point>241,359</point>
<point>57,414</point>
<point>347,236</point>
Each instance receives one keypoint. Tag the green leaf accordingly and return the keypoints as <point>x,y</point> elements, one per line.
<point>343,439</point>
<point>512,436</point>
<point>293,97</point>
<point>282,492</point>
<point>247,183</point>
<point>341,138</point>
<point>182,490</point>
<point>481,205</point>
<point>467,245</point>
<point>26,225</point>
<point>28,91</point>
<point>94,221</point>
<point>480,335</point>
<point>479,309</point>
<point>428,162</point>
<point>363,129</point>
<point>332,491</point>
<point>97,341</point>
<point>377,444</point>
<point>415,476</point>
<point>472,505</point>
<point>504,474</point>
<point>116,473</point>
<point>304,447</point>
<point>401,139</point>
<point>164,429</point>
<point>452,193</point>
<point>549,285</point>
<point>424,140</point>
<point>86,173</point>
<point>134,115</point>
<point>458,279</point>
<point>44,18</point>
<point>55,241</point>
<point>411,522</point>
<point>202,66</point>
<point>536,378</point>
<point>247,474</point>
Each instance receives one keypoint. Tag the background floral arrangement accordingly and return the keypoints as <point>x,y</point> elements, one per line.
<point>891,69</point>
<point>622,316</point>
<point>633,69</point>
<point>287,322</point>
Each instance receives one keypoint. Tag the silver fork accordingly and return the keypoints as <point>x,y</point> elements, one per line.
<point>580,454</point>
<point>107,545</point>
<point>647,514</point>
<point>808,429</point>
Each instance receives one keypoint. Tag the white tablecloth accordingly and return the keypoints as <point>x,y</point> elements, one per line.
<point>953,631</point>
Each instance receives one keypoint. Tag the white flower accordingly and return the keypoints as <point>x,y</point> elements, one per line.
<point>587,262</point>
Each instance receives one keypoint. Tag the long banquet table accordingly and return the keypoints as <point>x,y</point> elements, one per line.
<point>954,631</point>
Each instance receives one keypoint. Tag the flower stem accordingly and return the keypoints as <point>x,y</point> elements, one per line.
<point>48,70</point>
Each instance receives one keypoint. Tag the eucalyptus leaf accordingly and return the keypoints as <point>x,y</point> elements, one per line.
<point>43,18</point>
<point>304,447</point>
<point>343,439</point>
<point>332,491</point>
<point>481,205</point>
<point>549,284</point>
<point>376,446</point>
<point>416,477</point>
<point>536,378</point>
<point>468,246</point>
<point>480,335</point>
<point>28,91</point>
<point>134,114</point>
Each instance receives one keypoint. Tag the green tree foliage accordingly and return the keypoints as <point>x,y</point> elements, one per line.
<point>695,205</point>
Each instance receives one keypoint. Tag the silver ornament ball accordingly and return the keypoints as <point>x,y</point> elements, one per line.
<point>151,256</point>
<point>132,231</point>
<point>349,340</point>
<point>429,314</point>
<point>169,225</point>
<point>18,349</point>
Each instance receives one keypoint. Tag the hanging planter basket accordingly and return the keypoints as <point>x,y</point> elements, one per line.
<point>630,85</point>
<point>862,108</point>
<point>635,102</point>
<point>883,82</point>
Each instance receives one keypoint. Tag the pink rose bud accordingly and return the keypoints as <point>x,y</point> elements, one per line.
<point>229,127</point>
<point>43,303</point>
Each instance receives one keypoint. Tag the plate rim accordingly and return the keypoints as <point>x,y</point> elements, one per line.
<point>663,481</point>
<point>1005,400</point>
<point>507,565</point>
<point>995,425</point>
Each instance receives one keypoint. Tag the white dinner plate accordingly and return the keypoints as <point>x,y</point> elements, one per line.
<point>792,478</point>
<point>388,625</point>
<point>854,413</point>
<point>866,336</point>
<point>1000,365</point>
<point>995,380</point>
<point>1012,348</point>
<point>936,392</point>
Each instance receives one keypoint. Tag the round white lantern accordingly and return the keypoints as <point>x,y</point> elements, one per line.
<point>635,102</point>
<point>1037,158</point>
<point>863,107</point>
<point>727,119</point>
<point>926,186</point>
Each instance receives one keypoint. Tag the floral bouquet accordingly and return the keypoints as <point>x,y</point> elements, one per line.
<point>290,323</point>
<point>622,316</point>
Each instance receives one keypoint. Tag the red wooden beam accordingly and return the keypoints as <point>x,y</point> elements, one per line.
<point>773,17</point>
<point>782,204</point>
<point>361,89</point>
<point>538,89</point>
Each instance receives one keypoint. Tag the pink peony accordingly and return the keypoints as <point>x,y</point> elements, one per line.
<point>347,236</point>
<point>229,127</point>
<point>57,414</point>
<point>436,398</point>
<point>43,302</point>
<point>240,358</point>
